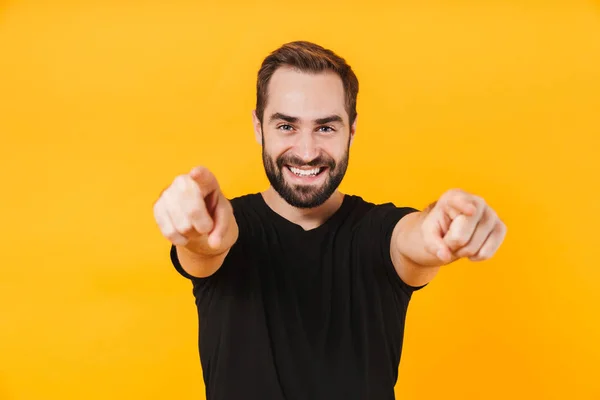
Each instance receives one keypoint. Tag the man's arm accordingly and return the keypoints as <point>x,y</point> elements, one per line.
<point>458,225</point>
<point>196,217</point>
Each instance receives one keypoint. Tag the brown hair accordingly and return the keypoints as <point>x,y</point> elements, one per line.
<point>306,57</point>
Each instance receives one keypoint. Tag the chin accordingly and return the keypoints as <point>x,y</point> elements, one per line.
<point>300,198</point>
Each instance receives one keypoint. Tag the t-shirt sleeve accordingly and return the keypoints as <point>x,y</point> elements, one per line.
<point>177,264</point>
<point>233,252</point>
<point>379,226</point>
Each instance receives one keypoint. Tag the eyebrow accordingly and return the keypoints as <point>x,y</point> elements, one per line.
<point>284,117</point>
<point>318,121</point>
<point>331,118</point>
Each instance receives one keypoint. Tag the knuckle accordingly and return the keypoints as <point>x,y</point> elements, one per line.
<point>468,252</point>
<point>157,211</point>
<point>179,181</point>
<point>161,195</point>
<point>187,187</point>
<point>178,240</point>
<point>195,213</point>
<point>484,255</point>
<point>185,183</point>
<point>160,216</point>
<point>170,233</point>
<point>503,228</point>
<point>452,193</point>
<point>458,241</point>
<point>184,227</point>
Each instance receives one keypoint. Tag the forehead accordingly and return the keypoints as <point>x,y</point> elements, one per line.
<point>305,95</point>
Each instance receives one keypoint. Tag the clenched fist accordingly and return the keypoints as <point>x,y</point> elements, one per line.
<point>462,225</point>
<point>193,212</point>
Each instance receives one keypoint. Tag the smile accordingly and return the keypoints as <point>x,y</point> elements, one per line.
<point>305,172</point>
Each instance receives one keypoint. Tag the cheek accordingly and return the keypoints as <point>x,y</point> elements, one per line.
<point>275,150</point>
<point>273,154</point>
<point>339,153</point>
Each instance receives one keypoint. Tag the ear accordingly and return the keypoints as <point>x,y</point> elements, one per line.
<point>257,128</point>
<point>353,130</point>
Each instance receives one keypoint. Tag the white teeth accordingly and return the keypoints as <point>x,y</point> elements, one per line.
<point>305,172</point>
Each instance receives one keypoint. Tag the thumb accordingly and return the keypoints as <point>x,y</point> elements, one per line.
<point>442,251</point>
<point>222,217</point>
<point>434,228</point>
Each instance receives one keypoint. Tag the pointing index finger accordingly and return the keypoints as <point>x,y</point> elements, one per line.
<point>205,180</point>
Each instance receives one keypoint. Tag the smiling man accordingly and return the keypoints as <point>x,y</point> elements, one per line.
<point>301,290</point>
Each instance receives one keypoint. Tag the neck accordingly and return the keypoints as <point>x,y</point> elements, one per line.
<point>307,218</point>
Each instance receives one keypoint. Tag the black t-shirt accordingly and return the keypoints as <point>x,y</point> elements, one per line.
<point>303,315</point>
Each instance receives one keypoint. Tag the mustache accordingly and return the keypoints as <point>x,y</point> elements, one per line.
<point>320,161</point>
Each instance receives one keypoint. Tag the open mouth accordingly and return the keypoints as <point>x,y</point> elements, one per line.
<point>306,172</point>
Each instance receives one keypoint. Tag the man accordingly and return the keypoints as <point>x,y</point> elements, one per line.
<point>301,290</point>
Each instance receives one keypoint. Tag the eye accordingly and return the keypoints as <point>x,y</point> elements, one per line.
<point>326,129</point>
<point>285,127</point>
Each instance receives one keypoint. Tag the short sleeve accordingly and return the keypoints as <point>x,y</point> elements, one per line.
<point>196,280</point>
<point>378,228</point>
<point>204,281</point>
<point>177,264</point>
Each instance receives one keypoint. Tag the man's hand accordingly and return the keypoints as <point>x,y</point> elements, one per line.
<point>194,214</point>
<point>461,225</point>
<point>458,225</point>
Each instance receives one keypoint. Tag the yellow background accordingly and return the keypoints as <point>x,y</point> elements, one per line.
<point>103,103</point>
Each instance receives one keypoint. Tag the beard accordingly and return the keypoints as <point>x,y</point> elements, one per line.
<point>305,196</point>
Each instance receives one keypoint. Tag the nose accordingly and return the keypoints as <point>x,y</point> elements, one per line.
<point>307,146</point>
